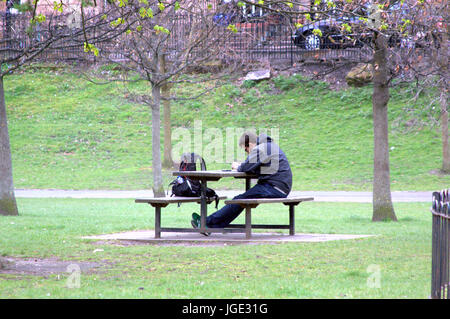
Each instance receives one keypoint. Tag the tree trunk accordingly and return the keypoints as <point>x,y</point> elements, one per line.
<point>382,201</point>
<point>158,189</point>
<point>443,61</point>
<point>8,204</point>
<point>444,124</point>
<point>167,161</point>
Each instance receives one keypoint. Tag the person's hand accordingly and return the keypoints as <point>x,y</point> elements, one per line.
<point>235,165</point>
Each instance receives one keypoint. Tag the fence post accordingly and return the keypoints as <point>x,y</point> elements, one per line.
<point>440,263</point>
<point>291,43</point>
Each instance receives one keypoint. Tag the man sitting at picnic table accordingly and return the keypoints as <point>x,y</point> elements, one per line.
<point>267,161</point>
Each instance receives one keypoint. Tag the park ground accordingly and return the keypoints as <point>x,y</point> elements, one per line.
<point>67,133</point>
<point>45,242</point>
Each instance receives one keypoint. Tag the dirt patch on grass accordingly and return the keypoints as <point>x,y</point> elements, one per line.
<point>439,173</point>
<point>43,267</point>
<point>333,73</point>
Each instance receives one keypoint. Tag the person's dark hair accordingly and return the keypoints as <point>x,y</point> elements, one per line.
<point>247,138</point>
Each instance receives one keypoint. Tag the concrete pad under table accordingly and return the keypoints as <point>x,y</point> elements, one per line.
<point>148,236</point>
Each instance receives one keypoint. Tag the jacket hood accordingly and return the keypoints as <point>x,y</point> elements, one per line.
<point>263,138</point>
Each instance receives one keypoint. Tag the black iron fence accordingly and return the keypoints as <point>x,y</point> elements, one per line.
<point>17,37</point>
<point>275,38</point>
<point>268,38</point>
<point>440,264</point>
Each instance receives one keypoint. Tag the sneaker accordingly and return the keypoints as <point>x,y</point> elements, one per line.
<point>196,220</point>
<point>196,223</point>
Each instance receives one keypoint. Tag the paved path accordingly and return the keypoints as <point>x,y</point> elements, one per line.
<point>319,196</point>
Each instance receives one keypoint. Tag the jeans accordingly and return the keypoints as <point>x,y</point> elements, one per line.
<point>224,216</point>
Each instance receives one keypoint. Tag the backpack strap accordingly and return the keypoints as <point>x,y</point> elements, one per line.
<point>168,186</point>
<point>202,164</point>
<point>217,200</point>
<point>193,158</point>
<point>201,160</point>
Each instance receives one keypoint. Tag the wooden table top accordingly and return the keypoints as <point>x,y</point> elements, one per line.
<point>213,175</point>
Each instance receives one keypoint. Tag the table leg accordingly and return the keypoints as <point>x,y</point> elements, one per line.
<point>291,220</point>
<point>248,222</point>
<point>247,183</point>
<point>158,222</point>
<point>203,205</point>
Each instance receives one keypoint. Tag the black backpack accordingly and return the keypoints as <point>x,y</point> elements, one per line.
<point>187,187</point>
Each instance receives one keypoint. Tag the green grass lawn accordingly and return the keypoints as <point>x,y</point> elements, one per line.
<point>68,133</point>
<point>71,134</point>
<point>399,255</point>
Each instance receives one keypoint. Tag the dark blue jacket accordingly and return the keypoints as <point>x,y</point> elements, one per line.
<point>270,163</point>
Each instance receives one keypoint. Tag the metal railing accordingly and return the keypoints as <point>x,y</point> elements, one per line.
<point>269,38</point>
<point>16,37</point>
<point>440,264</point>
<point>272,38</point>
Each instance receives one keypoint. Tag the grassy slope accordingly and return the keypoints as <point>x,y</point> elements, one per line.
<point>71,134</point>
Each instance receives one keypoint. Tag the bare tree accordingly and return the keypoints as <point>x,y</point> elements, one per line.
<point>387,28</point>
<point>433,26</point>
<point>163,44</point>
<point>12,57</point>
<point>426,64</point>
<point>8,204</point>
<point>34,34</point>
<point>382,201</point>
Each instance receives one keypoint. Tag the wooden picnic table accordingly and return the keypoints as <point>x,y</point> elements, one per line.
<point>204,177</point>
<point>248,204</point>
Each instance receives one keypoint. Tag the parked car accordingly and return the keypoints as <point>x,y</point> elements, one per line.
<point>332,35</point>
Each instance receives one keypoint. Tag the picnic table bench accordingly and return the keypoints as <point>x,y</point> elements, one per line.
<point>159,202</point>
<point>250,203</point>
